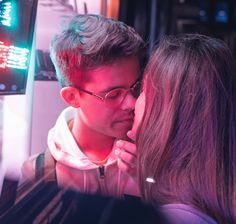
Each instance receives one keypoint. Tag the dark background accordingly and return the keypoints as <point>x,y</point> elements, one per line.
<point>155,18</point>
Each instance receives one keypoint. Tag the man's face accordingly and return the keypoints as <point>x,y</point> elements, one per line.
<point>102,117</point>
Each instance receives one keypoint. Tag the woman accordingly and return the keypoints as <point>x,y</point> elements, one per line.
<point>186,141</point>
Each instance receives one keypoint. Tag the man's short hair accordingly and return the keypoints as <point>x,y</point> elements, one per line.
<point>90,41</point>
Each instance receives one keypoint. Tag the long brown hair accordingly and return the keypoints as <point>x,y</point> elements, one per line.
<point>187,138</point>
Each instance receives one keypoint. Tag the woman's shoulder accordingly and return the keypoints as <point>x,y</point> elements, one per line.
<point>185,214</point>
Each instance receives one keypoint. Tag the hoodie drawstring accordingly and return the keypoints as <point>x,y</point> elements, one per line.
<point>85,181</point>
<point>118,183</point>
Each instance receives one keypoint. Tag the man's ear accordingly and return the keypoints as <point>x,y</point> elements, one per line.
<point>71,96</point>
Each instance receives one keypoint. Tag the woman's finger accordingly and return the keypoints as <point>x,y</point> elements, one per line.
<point>126,146</point>
<point>125,156</point>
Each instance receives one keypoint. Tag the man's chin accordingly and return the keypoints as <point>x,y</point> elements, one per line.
<point>122,135</point>
<point>120,129</point>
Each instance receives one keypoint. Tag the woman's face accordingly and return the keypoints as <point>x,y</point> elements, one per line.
<point>139,111</point>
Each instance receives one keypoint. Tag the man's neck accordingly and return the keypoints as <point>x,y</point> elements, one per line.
<point>93,144</point>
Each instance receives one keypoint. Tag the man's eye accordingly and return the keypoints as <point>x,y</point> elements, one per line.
<point>114,94</point>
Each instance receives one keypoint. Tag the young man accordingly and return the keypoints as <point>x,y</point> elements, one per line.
<point>97,64</point>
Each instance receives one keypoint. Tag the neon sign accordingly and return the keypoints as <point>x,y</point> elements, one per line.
<point>13,57</point>
<point>5,13</point>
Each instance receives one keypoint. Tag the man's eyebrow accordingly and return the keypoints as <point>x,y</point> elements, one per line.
<point>116,87</point>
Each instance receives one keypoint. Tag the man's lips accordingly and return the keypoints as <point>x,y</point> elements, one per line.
<point>126,119</point>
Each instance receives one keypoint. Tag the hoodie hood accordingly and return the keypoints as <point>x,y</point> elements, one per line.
<point>64,148</point>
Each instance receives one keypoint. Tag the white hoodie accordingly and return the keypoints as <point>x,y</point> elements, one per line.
<point>76,171</point>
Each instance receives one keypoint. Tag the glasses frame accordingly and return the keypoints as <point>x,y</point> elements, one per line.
<point>103,98</point>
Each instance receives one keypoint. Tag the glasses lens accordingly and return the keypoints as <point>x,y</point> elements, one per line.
<point>136,89</point>
<point>114,94</point>
<point>114,97</point>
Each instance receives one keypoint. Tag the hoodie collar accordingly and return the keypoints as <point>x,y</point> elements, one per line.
<point>64,148</point>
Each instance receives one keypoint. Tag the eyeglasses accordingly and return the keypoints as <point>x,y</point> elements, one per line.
<point>116,96</point>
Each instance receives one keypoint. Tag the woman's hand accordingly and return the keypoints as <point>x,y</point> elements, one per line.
<point>126,153</point>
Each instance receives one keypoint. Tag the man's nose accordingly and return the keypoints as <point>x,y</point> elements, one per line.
<point>128,102</point>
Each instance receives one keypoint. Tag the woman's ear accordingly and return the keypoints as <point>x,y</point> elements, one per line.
<point>71,96</point>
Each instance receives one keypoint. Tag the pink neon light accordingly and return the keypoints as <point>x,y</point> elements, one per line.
<point>3,55</point>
